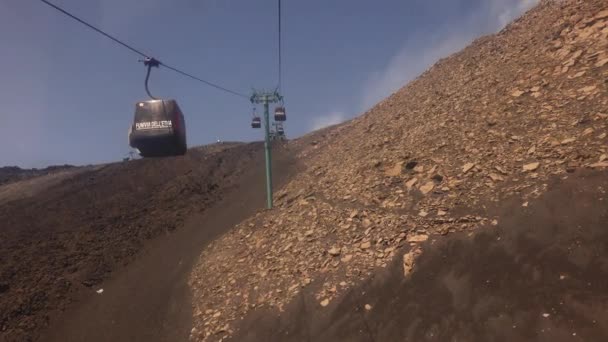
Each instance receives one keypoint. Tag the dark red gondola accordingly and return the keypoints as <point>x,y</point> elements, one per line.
<point>256,122</point>
<point>279,114</point>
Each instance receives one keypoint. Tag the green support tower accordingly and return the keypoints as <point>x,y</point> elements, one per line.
<point>266,98</point>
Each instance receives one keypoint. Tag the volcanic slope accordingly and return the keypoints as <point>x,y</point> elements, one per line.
<point>495,121</point>
<point>63,234</point>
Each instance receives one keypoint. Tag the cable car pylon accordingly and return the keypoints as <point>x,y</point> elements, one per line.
<point>266,98</point>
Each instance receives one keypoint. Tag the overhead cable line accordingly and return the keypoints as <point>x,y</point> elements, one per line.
<point>280,56</point>
<point>116,40</point>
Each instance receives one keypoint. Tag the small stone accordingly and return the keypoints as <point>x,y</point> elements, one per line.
<point>501,170</point>
<point>495,222</point>
<point>603,157</point>
<point>441,213</point>
<point>517,93</point>
<point>324,302</point>
<point>423,213</point>
<point>395,170</point>
<point>568,141</point>
<point>525,204</point>
<point>419,169</point>
<point>602,136</point>
<point>496,177</point>
<point>428,187</point>
<point>546,315</point>
<point>587,131</point>
<point>368,307</point>
<point>410,184</point>
<point>309,233</point>
<point>418,238</point>
<point>599,165</point>
<point>601,63</point>
<point>531,167</point>
<point>408,263</point>
<point>467,167</point>
<point>588,89</point>
<point>602,15</point>
<point>334,251</point>
<point>347,258</point>
<point>343,283</point>
<point>366,245</point>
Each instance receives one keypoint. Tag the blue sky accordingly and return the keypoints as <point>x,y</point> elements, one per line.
<point>67,94</point>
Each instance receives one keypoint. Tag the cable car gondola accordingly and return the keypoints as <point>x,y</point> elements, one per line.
<point>279,114</point>
<point>256,122</point>
<point>159,127</point>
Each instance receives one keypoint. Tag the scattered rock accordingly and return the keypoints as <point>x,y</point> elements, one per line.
<point>334,251</point>
<point>496,177</point>
<point>418,238</point>
<point>428,187</point>
<point>467,167</point>
<point>410,184</point>
<point>588,89</point>
<point>419,169</point>
<point>324,302</point>
<point>365,245</point>
<point>368,307</point>
<point>347,258</point>
<point>408,262</point>
<point>531,167</point>
<point>517,93</point>
<point>395,170</point>
<point>599,165</point>
<point>601,63</point>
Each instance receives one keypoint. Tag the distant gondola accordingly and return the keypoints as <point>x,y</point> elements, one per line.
<point>256,122</point>
<point>279,114</point>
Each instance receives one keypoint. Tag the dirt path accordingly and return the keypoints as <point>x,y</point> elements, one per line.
<point>541,275</point>
<point>149,300</point>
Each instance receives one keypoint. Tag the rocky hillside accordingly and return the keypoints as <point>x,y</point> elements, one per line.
<point>10,174</point>
<point>492,121</point>
<point>68,234</point>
